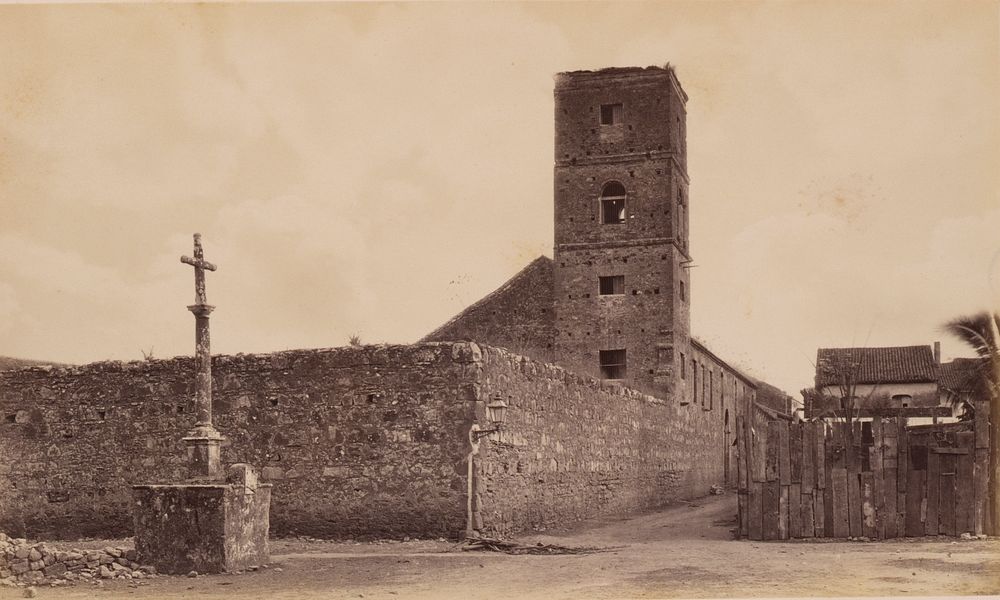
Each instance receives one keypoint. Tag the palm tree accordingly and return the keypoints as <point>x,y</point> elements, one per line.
<point>982,332</point>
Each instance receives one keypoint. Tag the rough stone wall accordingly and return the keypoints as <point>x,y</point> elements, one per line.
<point>367,441</point>
<point>518,316</point>
<point>23,562</point>
<point>575,447</point>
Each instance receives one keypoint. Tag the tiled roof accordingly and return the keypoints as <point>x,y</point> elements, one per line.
<point>896,364</point>
<point>960,374</point>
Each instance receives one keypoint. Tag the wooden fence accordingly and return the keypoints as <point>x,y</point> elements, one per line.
<point>879,479</point>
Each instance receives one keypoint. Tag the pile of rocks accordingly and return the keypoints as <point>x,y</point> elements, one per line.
<point>23,563</point>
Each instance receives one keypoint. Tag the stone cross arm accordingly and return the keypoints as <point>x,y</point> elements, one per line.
<point>200,266</point>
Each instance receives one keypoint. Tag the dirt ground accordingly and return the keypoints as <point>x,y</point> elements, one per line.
<point>681,552</point>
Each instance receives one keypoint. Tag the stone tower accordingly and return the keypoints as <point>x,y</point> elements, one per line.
<point>621,286</point>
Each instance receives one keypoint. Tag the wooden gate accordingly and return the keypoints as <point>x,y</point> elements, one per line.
<point>877,479</point>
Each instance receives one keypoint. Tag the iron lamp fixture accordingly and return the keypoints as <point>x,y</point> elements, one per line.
<point>496,414</point>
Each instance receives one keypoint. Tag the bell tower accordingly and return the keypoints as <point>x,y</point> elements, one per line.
<point>621,226</point>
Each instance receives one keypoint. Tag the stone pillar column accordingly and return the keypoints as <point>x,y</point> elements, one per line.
<point>204,442</point>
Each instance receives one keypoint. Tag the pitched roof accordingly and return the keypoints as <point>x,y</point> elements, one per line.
<point>895,364</point>
<point>960,375</point>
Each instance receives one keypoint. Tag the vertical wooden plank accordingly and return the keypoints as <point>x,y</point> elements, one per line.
<point>868,527</point>
<point>889,516</point>
<point>783,513</point>
<point>819,515</point>
<point>795,510</point>
<point>980,479</point>
<point>878,490</point>
<point>828,514</point>
<point>964,489</point>
<point>795,451</point>
<point>819,435</point>
<point>902,470</point>
<point>914,500</point>
<point>771,499</point>
<point>808,451</point>
<point>758,451</point>
<point>755,510</point>
<point>808,516</point>
<point>741,452</point>
<point>784,460</point>
<point>854,510</point>
<point>841,524</point>
<point>742,508</point>
<point>946,491</point>
<point>771,451</point>
<point>933,477</point>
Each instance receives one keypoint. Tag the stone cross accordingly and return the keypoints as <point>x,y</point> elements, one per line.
<point>204,441</point>
<point>200,264</point>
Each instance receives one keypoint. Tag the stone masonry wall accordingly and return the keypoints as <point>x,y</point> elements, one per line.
<point>574,447</point>
<point>366,441</point>
<point>358,442</point>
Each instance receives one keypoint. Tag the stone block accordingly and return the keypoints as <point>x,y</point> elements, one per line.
<point>208,528</point>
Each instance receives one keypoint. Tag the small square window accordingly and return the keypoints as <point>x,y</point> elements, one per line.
<point>612,364</point>
<point>611,114</point>
<point>612,285</point>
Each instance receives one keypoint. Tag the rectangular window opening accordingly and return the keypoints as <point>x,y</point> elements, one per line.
<point>612,285</point>
<point>611,114</point>
<point>683,367</point>
<point>612,364</point>
<point>613,211</point>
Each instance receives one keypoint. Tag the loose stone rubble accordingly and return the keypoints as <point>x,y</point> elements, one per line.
<point>25,563</point>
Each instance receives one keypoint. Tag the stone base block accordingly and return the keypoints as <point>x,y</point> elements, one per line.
<point>208,528</point>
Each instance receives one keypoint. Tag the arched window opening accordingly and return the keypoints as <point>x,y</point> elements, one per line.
<point>902,400</point>
<point>613,203</point>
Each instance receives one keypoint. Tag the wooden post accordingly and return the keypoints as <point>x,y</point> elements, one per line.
<point>808,516</point>
<point>890,461</point>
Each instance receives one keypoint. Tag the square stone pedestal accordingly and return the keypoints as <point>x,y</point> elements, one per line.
<point>205,527</point>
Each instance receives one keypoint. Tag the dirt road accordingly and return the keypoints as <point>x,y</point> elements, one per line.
<point>686,551</point>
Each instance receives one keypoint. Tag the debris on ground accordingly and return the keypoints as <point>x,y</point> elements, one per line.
<point>716,490</point>
<point>494,545</point>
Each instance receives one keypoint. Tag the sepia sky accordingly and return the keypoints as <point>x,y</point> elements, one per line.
<point>372,169</point>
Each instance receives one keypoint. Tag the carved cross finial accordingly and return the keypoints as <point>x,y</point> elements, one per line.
<point>200,265</point>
